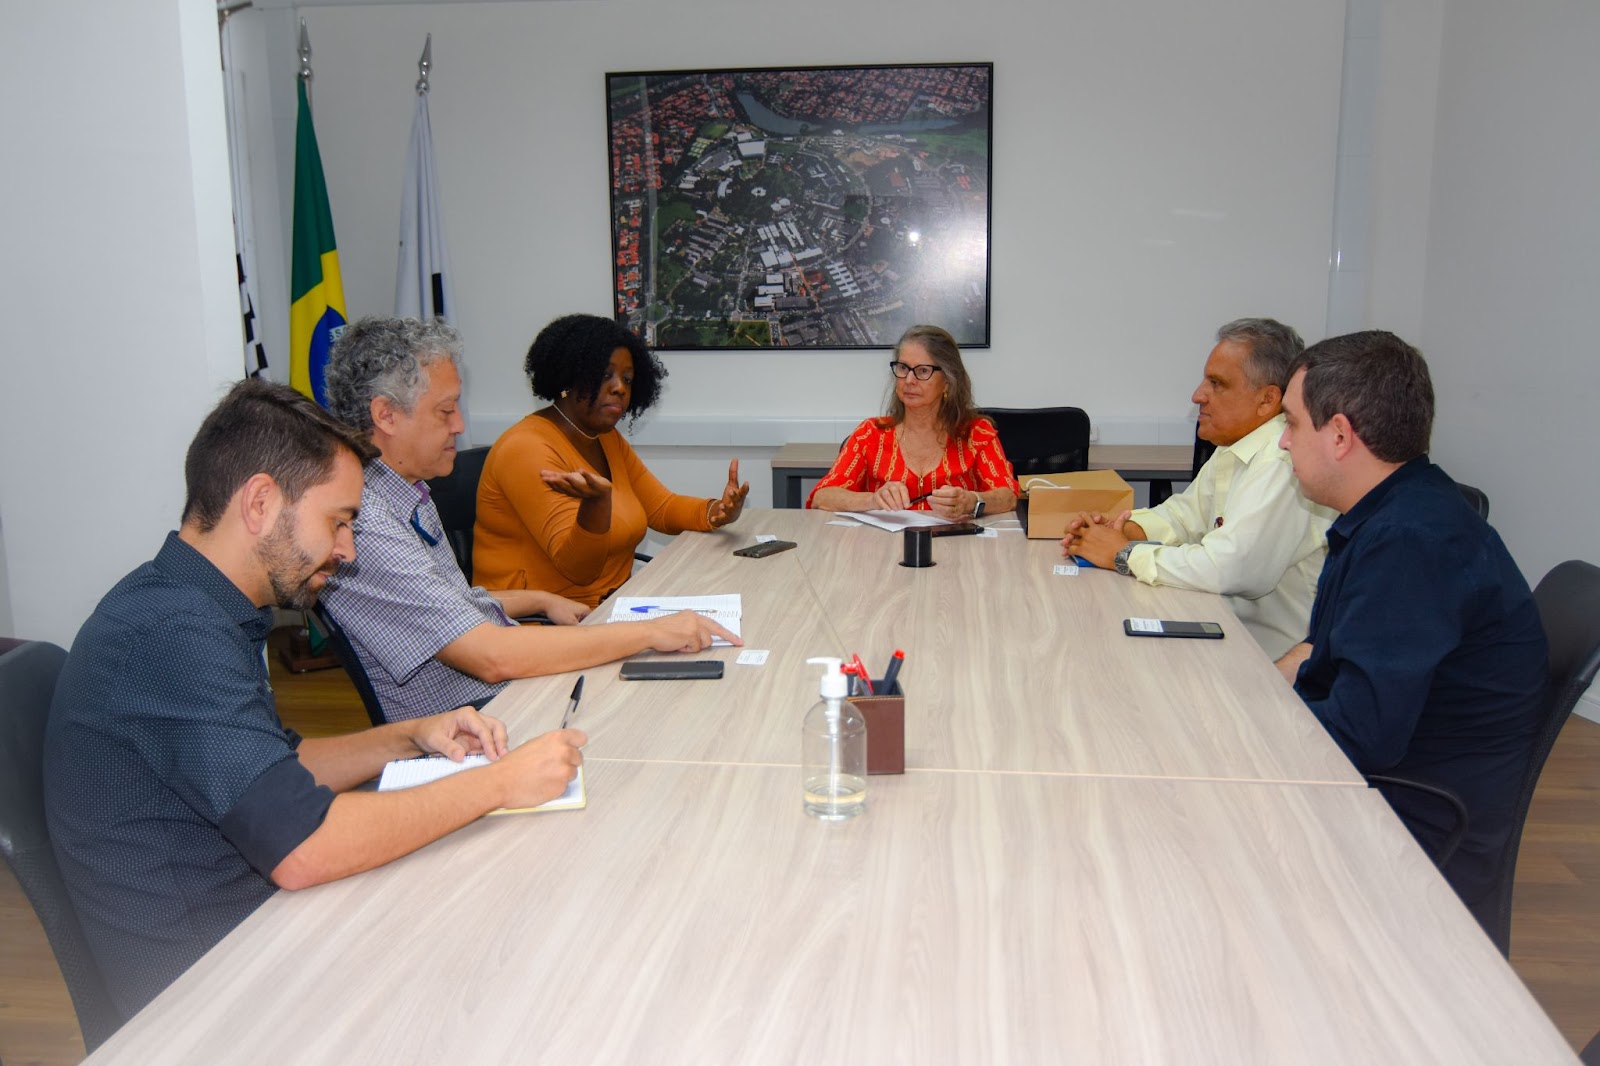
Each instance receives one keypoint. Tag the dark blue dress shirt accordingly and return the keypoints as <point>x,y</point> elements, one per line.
<point>1429,660</point>
<point>171,788</point>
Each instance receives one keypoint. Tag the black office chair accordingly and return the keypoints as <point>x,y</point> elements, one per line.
<point>1042,440</point>
<point>1569,606</point>
<point>456,496</point>
<point>1476,499</point>
<point>1590,1056</point>
<point>346,654</point>
<point>1203,451</point>
<point>27,684</point>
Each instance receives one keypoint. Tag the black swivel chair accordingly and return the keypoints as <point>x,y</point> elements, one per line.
<point>1569,606</point>
<point>27,684</point>
<point>1476,499</point>
<point>346,654</point>
<point>456,496</point>
<point>1042,440</point>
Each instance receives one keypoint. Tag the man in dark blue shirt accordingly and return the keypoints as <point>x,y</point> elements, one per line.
<point>177,801</point>
<point>1426,657</point>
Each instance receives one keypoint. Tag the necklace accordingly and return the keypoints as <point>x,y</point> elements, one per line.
<point>573,424</point>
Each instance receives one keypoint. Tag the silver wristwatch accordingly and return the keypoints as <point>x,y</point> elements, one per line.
<point>1122,557</point>
<point>977,508</point>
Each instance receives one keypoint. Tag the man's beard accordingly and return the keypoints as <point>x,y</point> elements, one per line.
<point>289,568</point>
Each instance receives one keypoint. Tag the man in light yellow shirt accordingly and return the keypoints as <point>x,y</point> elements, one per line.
<point>1242,528</point>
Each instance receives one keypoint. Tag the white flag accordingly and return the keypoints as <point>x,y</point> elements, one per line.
<point>422,287</point>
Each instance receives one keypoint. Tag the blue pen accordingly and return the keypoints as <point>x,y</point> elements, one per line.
<point>893,672</point>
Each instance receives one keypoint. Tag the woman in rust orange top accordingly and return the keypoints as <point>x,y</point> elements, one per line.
<point>933,450</point>
<point>564,500</point>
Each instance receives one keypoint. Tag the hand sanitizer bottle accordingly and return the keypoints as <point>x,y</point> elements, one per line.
<point>833,750</point>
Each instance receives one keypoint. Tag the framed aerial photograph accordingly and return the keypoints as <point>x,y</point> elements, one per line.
<point>814,207</point>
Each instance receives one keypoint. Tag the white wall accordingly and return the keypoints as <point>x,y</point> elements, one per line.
<point>1158,170</point>
<point>1513,269</point>
<point>119,278</point>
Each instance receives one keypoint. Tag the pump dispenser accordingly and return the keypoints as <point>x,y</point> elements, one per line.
<point>833,750</point>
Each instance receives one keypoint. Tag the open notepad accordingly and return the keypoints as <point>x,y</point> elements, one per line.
<point>408,773</point>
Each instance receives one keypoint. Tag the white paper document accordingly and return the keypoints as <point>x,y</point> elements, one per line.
<point>724,610</point>
<point>895,521</point>
<point>408,773</point>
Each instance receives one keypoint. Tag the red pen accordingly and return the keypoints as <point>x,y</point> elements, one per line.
<point>861,672</point>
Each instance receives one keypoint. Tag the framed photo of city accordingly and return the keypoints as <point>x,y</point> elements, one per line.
<point>813,207</point>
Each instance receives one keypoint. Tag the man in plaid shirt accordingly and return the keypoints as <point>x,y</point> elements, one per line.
<point>427,639</point>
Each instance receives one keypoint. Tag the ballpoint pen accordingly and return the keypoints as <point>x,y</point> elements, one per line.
<point>893,671</point>
<point>572,708</point>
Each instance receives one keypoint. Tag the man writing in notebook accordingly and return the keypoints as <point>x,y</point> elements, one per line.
<point>1242,528</point>
<point>427,638</point>
<point>177,801</point>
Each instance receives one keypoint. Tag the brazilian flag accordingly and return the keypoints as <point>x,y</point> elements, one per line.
<point>316,290</point>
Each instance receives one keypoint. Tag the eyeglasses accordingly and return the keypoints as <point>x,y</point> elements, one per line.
<point>923,373</point>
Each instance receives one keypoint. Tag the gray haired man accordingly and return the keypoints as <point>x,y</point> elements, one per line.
<point>1242,528</point>
<point>427,639</point>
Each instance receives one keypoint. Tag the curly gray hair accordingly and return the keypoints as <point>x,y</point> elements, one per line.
<point>382,356</point>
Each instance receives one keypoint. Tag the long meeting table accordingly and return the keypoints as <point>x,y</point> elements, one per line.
<point>1104,849</point>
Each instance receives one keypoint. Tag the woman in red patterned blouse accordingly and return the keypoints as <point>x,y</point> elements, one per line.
<point>932,451</point>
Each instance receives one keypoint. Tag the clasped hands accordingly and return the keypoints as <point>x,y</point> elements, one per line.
<point>1098,538</point>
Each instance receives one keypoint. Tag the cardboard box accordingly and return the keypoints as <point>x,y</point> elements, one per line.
<point>1053,499</point>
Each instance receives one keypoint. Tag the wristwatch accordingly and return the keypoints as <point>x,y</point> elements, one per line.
<point>977,508</point>
<point>1122,557</point>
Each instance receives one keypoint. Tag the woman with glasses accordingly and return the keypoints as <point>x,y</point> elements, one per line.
<point>932,451</point>
<point>564,500</point>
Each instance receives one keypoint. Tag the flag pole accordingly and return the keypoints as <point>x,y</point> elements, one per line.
<point>423,65</point>
<point>305,59</point>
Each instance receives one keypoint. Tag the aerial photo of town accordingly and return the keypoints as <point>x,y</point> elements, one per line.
<point>820,207</point>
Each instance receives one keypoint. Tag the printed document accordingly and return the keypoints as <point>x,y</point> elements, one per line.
<point>724,610</point>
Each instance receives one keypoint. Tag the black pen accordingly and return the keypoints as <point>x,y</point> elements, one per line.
<point>919,499</point>
<point>572,708</point>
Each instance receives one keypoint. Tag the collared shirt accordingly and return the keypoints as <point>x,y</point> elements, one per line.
<point>402,599</point>
<point>1428,659</point>
<point>1242,529</point>
<point>172,790</point>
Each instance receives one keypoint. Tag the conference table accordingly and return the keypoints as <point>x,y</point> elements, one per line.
<point>1103,849</point>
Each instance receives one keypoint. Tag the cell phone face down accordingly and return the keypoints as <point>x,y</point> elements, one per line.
<point>672,670</point>
<point>764,549</point>
<point>1157,627</point>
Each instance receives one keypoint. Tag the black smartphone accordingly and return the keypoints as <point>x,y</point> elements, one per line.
<point>1157,627</point>
<point>961,529</point>
<point>764,549</point>
<point>672,669</point>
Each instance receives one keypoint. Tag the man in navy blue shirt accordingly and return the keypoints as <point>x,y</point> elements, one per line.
<point>177,801</point>
<point>1426,657</point>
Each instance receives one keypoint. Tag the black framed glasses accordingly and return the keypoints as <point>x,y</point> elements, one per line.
<point>923,373</point>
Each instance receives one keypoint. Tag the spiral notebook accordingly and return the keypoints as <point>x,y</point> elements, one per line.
<point>408,773</point>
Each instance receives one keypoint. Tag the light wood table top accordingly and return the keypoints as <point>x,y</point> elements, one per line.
<point>692,914</point>
<point>1008,667</point>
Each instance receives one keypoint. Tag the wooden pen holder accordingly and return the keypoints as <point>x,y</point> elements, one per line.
<point>885,712</point>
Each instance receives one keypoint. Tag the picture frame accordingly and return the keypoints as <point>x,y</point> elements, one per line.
<point>801,207</point>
